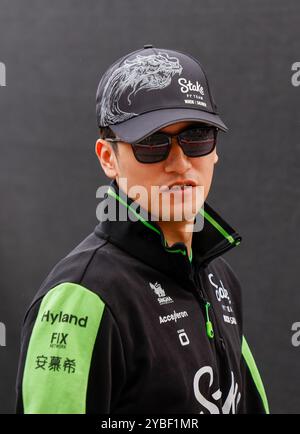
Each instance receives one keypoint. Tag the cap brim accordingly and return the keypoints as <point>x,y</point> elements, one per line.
<point>139,127</point>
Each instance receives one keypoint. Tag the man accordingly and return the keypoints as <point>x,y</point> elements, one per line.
<point>145,315</point>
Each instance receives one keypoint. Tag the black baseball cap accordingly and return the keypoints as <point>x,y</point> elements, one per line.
<point>151,88</point>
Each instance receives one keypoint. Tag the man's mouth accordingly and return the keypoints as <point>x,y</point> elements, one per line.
<point>178,186</point>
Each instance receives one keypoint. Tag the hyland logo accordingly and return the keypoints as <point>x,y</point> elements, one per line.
<point>222,295</point>
<point>209,402</point>
<point>58,340</point>
<point>55,318</point>
<point>173,316</point>
<point>162,298</point>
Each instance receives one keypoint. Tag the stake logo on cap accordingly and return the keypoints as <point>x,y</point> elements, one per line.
<point>152,88</point>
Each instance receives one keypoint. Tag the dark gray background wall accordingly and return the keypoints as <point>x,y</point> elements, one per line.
<point>55,53</point>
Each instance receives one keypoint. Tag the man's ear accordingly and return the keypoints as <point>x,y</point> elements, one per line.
<point>216,157</point>
<point>107,158</point>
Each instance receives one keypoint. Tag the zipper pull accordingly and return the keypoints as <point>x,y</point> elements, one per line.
<point>209,327</point>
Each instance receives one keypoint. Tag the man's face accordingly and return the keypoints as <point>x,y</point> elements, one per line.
<point>177,167</point>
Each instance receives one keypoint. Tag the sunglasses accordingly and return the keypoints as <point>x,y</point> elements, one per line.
<point>195,141</point>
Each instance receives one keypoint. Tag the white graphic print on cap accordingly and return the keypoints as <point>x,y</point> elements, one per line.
<point>143,72</point>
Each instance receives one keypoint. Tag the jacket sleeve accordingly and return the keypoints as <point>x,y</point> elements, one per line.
<point>72,358</point>
<point>254,399</point>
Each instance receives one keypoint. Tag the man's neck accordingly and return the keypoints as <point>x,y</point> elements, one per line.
<point>177,232</point>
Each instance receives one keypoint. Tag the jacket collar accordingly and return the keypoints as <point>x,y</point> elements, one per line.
<point>145,240</point>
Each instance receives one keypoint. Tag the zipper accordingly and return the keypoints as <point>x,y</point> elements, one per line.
<point>209,327</point>
<point>206,305</point>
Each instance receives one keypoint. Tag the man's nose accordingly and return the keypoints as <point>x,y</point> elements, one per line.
<point>177,161</point>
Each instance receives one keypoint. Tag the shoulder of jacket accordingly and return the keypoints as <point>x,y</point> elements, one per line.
<point>73,267</point>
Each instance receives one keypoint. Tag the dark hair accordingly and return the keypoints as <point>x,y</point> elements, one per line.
<point>107,132</point>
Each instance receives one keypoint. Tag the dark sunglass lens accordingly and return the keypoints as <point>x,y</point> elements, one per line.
<point>152,149</point>
<point>198,141</point>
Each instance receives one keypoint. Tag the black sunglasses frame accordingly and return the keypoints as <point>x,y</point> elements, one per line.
<point>169,137</point>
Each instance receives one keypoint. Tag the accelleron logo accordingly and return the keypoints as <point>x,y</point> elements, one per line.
<point>173,316</point>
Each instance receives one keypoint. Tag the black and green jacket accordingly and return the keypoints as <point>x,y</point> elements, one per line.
<point>127,324</point>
